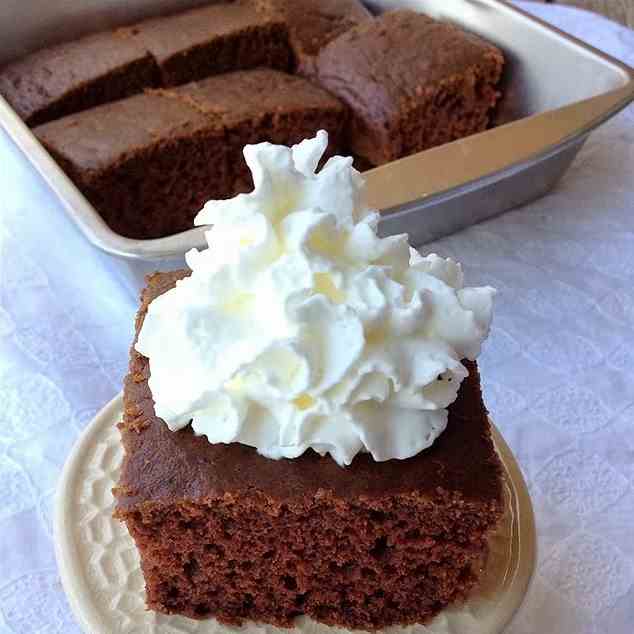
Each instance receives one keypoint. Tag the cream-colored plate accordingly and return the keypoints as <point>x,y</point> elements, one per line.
<point>100,569</point>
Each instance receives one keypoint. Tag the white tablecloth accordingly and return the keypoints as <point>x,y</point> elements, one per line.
<point>558,371</point>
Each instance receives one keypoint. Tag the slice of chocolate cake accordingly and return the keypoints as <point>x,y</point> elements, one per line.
<point>225,532</point>
<point>64,79</point>
<point>411,83</point>
<point>265,105</point>
<point>215,39</point>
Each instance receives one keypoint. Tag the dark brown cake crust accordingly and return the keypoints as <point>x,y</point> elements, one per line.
<point>67,78</point>
<point>224,532</point>
<point>149,163</point>
<point>214,39</point>
<point>411,83</point>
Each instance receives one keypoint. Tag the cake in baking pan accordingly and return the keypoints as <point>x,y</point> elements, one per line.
<point>64,79</point>
<point>148,163</point>
<point>313,24</point>
<point>214,39</point>
<point>383,86</point>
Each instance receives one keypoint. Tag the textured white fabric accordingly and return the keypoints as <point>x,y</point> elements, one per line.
<point>558,371</point>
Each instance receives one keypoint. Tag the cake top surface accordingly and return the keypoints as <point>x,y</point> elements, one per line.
<point>215,104</point>
<point>50,73</point>
<point>86,138</point>
<point>357,340</point>
<point>81,59</point>
<point>252,94</point>
<point>177,33</point>
<point>166,467</point>
<point>387,61</point>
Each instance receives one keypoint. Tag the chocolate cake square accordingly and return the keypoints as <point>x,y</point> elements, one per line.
<point>224,532</point>
<point>411,83</point>
<point>64,79</point>
<point>214,39</point>
<point>148,163</point>
<point>128,158</point>
<point>265,105</point>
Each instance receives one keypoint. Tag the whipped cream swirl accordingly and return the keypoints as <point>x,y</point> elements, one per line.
<point>300,328</point>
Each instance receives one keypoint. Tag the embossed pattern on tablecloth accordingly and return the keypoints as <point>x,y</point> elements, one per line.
<point>558,371</point>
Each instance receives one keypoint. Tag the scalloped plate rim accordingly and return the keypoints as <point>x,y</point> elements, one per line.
<point>81,599</point>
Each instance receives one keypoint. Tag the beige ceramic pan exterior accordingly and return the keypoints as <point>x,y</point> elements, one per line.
<point>100,569</point>
<point>557,90</point>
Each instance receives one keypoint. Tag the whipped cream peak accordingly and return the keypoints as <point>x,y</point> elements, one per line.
<point>299,327</point>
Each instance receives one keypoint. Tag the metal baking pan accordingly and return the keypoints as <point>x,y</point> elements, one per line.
<point>557,91</point>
